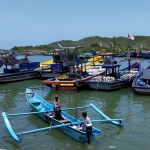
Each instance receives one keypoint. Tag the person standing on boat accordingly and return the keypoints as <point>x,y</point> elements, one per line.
<point>57,108</point>
<point>87,126</point>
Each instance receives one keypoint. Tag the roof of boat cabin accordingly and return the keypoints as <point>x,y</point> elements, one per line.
<point>66,48</point>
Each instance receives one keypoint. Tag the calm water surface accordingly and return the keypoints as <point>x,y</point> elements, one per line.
<point>123,103</point>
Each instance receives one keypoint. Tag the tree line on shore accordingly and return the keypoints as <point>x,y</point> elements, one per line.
<point>117,44</point>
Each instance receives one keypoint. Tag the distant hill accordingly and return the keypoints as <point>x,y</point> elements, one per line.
<point>105,41</point>
<point>96,42</point>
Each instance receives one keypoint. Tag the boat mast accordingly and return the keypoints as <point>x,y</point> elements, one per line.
<point>128,54</point>
<point>76,52</point>
<point>114,45</point>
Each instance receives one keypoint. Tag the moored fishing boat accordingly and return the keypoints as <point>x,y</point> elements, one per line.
<point>54,66</point>
<point>141,83</point>
<point>67,124</point>
<point>114,78</point>
<point>18,69</point>
<point>65,57</point>
<point>77,73</point>
<point>145,54</point>
<point>62,58</point>
<point>74,80</point>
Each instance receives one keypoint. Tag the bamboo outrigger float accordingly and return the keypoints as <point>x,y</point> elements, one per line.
<point>67,124</point>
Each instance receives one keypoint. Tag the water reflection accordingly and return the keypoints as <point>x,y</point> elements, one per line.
<point>123,103</point>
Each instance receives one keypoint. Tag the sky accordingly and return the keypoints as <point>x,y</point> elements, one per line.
<point>39,22</point>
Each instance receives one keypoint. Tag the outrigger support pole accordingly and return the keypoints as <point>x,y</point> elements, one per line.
<point>63,109</point>
<point>51,127</point>
<point>118,122</point>
<point>17,137</point>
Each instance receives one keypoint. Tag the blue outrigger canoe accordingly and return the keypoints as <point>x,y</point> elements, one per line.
<point>68,124</point>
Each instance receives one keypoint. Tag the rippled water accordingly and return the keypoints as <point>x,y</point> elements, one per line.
<point>124,103</point>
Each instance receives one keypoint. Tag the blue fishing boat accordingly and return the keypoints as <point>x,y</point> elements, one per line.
<point>62,59</point>
<point>141,83</point>
<point>77,69</point>
<point>114,77</point>
<point>145,54</point>
<point>67,124</point>
<point>67,59</point>
<point>18,69</point>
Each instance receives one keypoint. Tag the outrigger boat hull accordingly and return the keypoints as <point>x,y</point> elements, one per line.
<point>67,124</point>
<point>37,103</point>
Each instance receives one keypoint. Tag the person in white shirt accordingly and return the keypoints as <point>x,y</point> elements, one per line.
<point>87,126</point>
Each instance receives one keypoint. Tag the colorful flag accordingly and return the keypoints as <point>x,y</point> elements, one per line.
<point>130,37</point>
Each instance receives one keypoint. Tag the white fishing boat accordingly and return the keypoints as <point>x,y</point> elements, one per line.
<point>114,78</point>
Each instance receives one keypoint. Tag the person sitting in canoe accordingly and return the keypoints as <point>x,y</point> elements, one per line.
<point>57,108</point>
<point>87,126</point>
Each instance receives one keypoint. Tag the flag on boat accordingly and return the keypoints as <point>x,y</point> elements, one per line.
<point>100,44</point>
<point>130,37</point>
<point>112,44</point>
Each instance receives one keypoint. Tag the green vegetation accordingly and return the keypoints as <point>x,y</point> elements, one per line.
<point>93,42</point>
<point>27,48</point>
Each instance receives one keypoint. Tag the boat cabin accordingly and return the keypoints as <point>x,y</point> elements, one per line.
<point>67,57</point>
<point>110,64</point>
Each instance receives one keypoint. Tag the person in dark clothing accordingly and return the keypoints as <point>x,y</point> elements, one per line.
<point>57,108</point>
